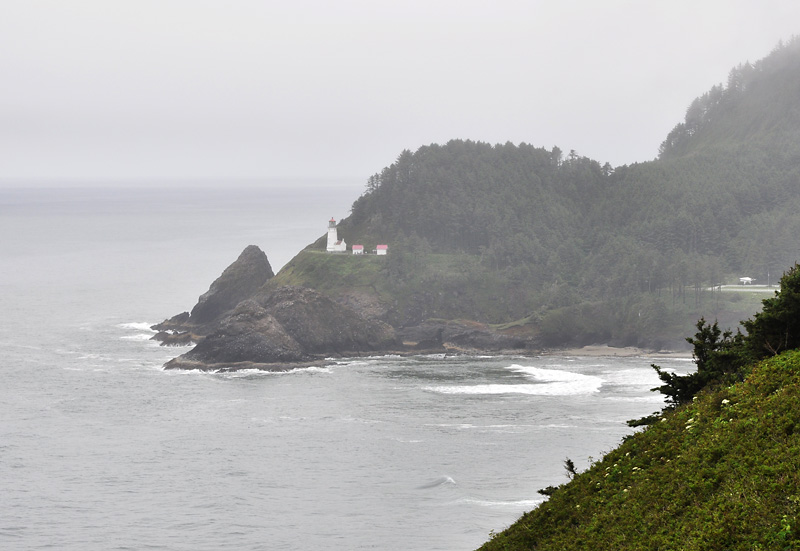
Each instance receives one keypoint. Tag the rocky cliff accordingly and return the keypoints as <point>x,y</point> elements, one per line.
<point>247,320</point>
<point>238,282</point>
<point>277,330</point>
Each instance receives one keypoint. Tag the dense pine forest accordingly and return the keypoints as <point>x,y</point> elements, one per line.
<point>587,252</point>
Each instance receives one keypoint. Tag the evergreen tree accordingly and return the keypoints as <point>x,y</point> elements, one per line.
<point>777,327</point>
<point>716,354</point>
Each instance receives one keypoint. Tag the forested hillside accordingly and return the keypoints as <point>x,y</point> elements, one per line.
<point>588,252</point>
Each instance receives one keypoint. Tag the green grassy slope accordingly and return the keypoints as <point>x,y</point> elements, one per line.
<point>720,473</point>
<point>331,273</point>
<point>413,287</point>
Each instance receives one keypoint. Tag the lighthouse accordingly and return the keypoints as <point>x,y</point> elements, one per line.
<point>335,245</point>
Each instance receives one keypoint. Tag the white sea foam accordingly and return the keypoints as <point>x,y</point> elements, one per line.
<point>137,337</point>
<point>486,389</point>
<point>546,382</point>
<point>348,363</point>
<point>293,371</point>
<point>139,326</point>
<point>644,376</point>
<point>253,371</point>
<point>311,369</point>
<point>241,373</point>
<point>181,372</point>
<point>525,504</point>
<point>542,374</point>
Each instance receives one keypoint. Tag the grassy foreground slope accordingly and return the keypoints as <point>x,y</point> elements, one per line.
<point>719,469</point>
<point>720,473</point>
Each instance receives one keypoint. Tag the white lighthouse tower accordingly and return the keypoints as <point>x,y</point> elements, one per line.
<point>335,245</point>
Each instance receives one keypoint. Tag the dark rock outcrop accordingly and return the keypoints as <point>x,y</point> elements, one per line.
<point>285,328</point>
<point>324,326</point>
<point>463,336</point>
<point>238,282</point>
<point>241,323</point>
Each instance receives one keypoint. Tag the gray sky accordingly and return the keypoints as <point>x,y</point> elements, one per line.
<point>184,89</point>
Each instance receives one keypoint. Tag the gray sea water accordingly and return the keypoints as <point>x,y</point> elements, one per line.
<point>102,449</point>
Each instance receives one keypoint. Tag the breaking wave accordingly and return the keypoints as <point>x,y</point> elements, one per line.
<point>143,331</point>
<point>441,481</point>
<point>641,376</point>
<point>544,382</point>
<point>138,326</point>
<point>137,337</point>
<point>525,504</point>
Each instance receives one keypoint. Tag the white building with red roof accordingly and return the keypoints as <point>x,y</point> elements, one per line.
<point>358,249</point>
<point>382,249</point>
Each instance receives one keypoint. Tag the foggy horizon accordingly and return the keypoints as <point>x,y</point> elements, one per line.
<point>252,92</point>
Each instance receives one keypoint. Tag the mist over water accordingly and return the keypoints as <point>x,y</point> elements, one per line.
<point>101,449</point>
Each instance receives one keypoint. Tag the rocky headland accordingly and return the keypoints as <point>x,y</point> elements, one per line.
<point>245,322</point>
<point>238,282</point>
<point>281,329</point>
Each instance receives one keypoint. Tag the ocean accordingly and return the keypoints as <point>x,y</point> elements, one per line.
<point>102,449</point>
